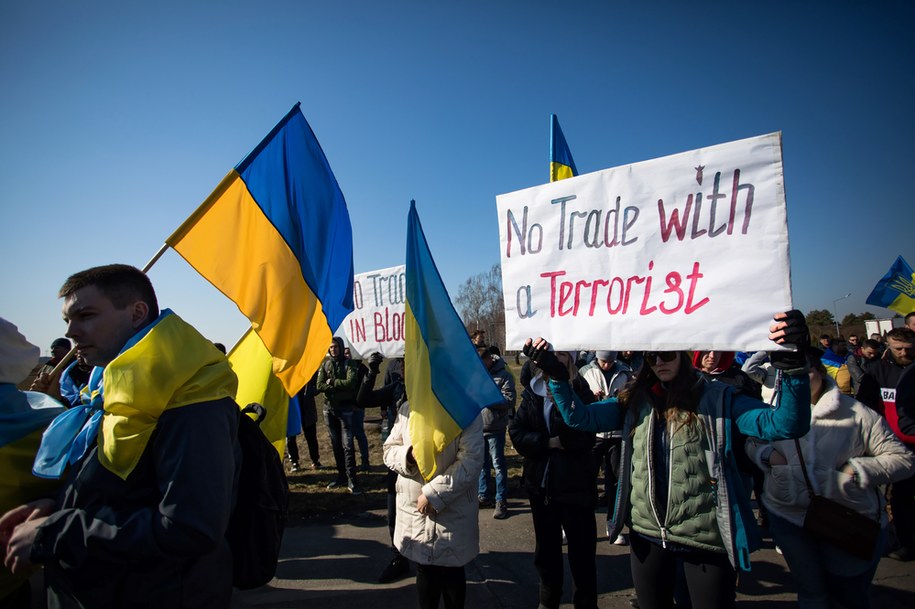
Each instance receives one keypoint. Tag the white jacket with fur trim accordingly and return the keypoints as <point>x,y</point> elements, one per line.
<point>842,431</point>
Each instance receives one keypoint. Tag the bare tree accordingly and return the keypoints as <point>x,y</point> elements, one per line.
<point>479,301</point>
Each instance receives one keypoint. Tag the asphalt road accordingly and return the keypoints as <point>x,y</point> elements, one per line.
<point>336,565</point>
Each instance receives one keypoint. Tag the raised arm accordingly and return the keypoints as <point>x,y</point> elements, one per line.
<point>599,416</point>
<point>791,417</point>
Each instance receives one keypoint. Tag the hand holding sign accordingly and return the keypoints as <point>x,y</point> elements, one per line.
<point>789,329</point>
<point>540,352</point>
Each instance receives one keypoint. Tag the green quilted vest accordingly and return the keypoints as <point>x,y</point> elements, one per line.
<point>690,513</point>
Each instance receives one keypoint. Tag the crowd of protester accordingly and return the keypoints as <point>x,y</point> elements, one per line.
<point>133,472</point>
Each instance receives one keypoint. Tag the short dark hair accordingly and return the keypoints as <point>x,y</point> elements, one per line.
<point>909,316</point>
<point>826,336</point>
<point>903,334</point>
<point>870,343</point>
<point>122,284</point>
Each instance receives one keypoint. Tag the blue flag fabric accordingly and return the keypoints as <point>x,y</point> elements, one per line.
<point>896,289</point>
<point>447,383</point>
<point>562,165</point>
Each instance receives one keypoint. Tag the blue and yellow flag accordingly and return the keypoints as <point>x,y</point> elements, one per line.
<point>447,383</point>
<point>837,368</point>
<point>896,290</point>
<point>561,164</point>
<point>253,365</point>
<point>275,237</point>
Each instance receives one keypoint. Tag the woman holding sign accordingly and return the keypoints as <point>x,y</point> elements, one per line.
<point>680,490</point>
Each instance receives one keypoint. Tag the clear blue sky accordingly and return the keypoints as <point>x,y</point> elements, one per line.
<point>118,118</point>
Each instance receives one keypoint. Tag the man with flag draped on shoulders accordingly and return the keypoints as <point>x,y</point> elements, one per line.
<point>149,459</point>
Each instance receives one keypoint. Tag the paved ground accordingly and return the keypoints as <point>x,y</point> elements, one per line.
<point>336,565</point>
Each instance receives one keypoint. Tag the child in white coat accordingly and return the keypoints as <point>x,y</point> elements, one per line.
<point>437,523</point>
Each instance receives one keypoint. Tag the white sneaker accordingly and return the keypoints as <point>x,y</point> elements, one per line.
<point>622,540</point>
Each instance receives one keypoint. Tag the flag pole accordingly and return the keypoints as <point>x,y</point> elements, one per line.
<point>155,258</point>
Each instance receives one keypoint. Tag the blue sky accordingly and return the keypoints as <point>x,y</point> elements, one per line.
<point>118,118</point>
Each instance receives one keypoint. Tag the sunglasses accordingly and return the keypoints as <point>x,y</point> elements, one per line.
<point>666,356</point>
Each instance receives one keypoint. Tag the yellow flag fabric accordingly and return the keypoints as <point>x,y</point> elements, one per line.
<point>171,366</point>
<point>562,165</point>
<point>275,237</point>
<point>447,384</point>
<point>19,486</point>
<point>896,290</point>
<point>257,382</point>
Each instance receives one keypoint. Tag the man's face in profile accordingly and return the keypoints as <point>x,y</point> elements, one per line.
<point>99,329</point>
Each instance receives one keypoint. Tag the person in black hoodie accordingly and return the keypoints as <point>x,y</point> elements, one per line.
<point>558,474</point>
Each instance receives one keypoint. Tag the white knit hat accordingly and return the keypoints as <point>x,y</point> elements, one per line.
<point>18,356</point>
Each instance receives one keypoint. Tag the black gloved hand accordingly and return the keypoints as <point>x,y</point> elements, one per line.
<point>375,360</point>
<point>795,333</point>
<point>546,361</point>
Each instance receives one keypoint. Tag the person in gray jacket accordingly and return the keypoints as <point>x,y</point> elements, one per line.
<point>495,422</point>
<point>607,376</point>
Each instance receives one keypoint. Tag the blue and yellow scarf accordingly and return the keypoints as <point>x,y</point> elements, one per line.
<point>166,365</point>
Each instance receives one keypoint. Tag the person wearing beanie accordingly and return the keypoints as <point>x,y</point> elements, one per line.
<point>606,376</point>
<point>45,380</point>
<point>24,415</point>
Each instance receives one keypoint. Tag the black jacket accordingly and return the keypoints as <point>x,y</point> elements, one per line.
<point>563,475</point>
<point>156,539</point>
<point>905,401</point>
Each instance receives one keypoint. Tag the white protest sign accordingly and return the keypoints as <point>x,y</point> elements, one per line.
<point>376,323</point>
<point>688,251</point>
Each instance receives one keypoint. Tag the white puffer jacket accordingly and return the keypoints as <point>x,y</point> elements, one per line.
<point>842,431</point>
<point>450,538</point>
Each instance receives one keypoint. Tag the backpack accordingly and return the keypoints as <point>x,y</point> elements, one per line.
<point>256,526</point>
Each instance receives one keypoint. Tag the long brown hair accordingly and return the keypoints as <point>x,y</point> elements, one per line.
<point>681,392</point>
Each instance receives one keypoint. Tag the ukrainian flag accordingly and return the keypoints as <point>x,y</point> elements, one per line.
<point>447,383</point>
<point>252,363</point>
<point>275,237</point>
<point>837,368</point>
<point>896,290</point>
<point>561,164</point>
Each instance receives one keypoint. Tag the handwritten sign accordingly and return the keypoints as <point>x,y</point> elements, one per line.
<point>376,323</point>
<point>688,251</point>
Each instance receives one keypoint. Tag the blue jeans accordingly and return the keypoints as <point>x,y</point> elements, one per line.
<point>359,434</point>
<point>824,575</point>
<point>494,457</point>
<point>340,428</point>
